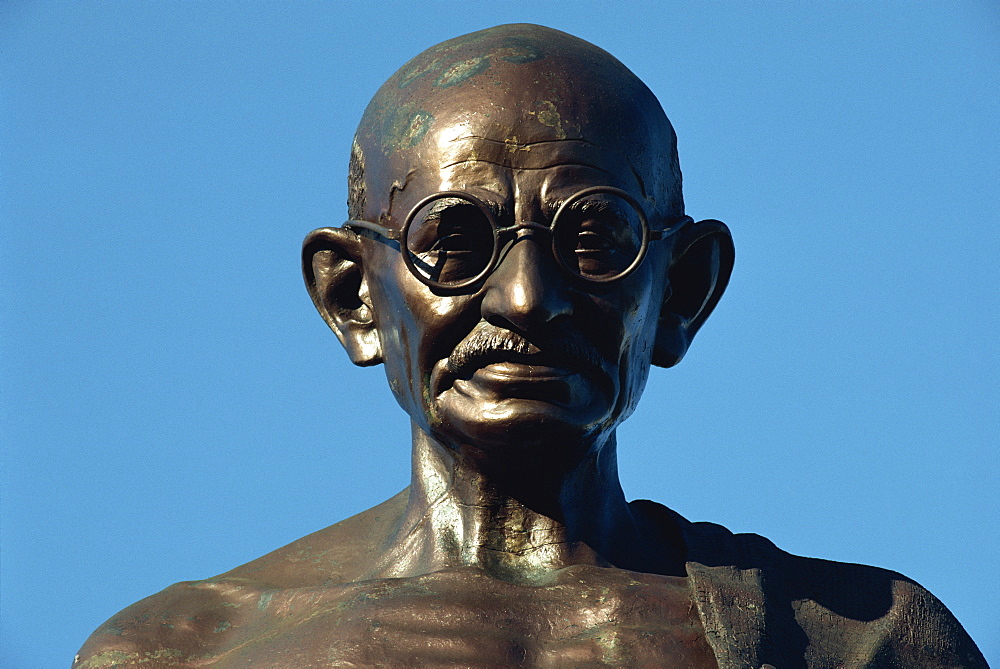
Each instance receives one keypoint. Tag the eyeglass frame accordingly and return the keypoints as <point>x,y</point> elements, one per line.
<point>400,237</point>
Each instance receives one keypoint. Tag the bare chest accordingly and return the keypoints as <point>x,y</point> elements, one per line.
<point>588,617</point>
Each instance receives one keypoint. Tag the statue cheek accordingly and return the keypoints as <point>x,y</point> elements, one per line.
<point>638,337</point>
<point>398,373</point>
<point>634,372</point>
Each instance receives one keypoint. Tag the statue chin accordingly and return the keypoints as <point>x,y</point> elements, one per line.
<point>528,426</point>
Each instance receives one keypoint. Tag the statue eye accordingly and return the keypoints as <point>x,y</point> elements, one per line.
<point>454,243</point>
<point>450,240</point>
<point>461,228</point>
<point>593,241</point>
<point>598,236</point>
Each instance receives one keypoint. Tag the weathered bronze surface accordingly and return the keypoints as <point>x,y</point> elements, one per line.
<point>517,257</point>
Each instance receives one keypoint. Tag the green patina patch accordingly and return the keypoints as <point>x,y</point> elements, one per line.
<point>418,72</point>
<point>522,51</point>
<point>521,57</point>
<point>222,627</point>
<point>114,630</point>
<point>264,600</point>
<point>415,130</point>
<point>115,658</point>
<point>462,70</point>
<point>456,43</point>
<point>510,48</point>
<point>109,659</point>
<point>403,127</point>
<point>165,653</point>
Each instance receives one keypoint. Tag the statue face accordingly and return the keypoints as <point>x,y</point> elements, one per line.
<point>516,120</point>
<point>530,354</point>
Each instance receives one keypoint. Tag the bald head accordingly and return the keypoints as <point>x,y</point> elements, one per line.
<point>502,92</point>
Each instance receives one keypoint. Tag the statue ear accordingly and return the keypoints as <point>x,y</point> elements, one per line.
<point>702,262</point>
<point>333,268</point>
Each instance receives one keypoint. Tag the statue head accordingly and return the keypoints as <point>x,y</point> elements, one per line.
<point>518,254</point>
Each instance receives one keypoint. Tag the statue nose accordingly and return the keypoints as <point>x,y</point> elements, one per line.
<point>526,290</point>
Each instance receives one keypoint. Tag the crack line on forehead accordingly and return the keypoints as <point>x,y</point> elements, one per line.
<point>507,143</point>
<point>493,162</point>
<point>541,141</point>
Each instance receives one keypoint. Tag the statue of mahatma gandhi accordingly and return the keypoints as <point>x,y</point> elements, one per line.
<point>518,256</point>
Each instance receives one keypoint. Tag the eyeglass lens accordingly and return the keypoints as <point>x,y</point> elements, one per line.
<point>450,240</point>
<point>597,236</point>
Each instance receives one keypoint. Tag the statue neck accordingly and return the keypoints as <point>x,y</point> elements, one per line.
<point>518,521</point>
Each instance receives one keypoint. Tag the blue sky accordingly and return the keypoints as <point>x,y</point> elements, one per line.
<point>172,406</point>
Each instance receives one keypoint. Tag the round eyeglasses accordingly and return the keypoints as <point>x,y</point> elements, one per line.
<point>451,241</point>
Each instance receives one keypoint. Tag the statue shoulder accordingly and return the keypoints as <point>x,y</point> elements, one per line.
<point>196,619</point>
<point>872,614</point>
<point>164,629</point>
<point>339,554</point>
<point>782,607</point>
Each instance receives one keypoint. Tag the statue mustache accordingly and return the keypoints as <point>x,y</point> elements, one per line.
<point>488,343</point>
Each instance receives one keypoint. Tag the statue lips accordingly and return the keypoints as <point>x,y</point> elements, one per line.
<point>523,372</point>
<point>518,377</point>
<point>503,364</point>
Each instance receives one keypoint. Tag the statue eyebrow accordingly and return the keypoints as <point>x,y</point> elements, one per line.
<point>596,206</point>
<point>500,209</point>
<point>589,206</point>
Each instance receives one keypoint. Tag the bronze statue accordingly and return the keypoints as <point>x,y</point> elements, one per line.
<point>518,256</point>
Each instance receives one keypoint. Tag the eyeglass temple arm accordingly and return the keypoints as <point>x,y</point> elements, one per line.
<point>373,227</point>
<point>671,229</point>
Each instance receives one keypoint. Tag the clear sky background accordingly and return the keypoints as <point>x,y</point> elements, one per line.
<point>173,406</point>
